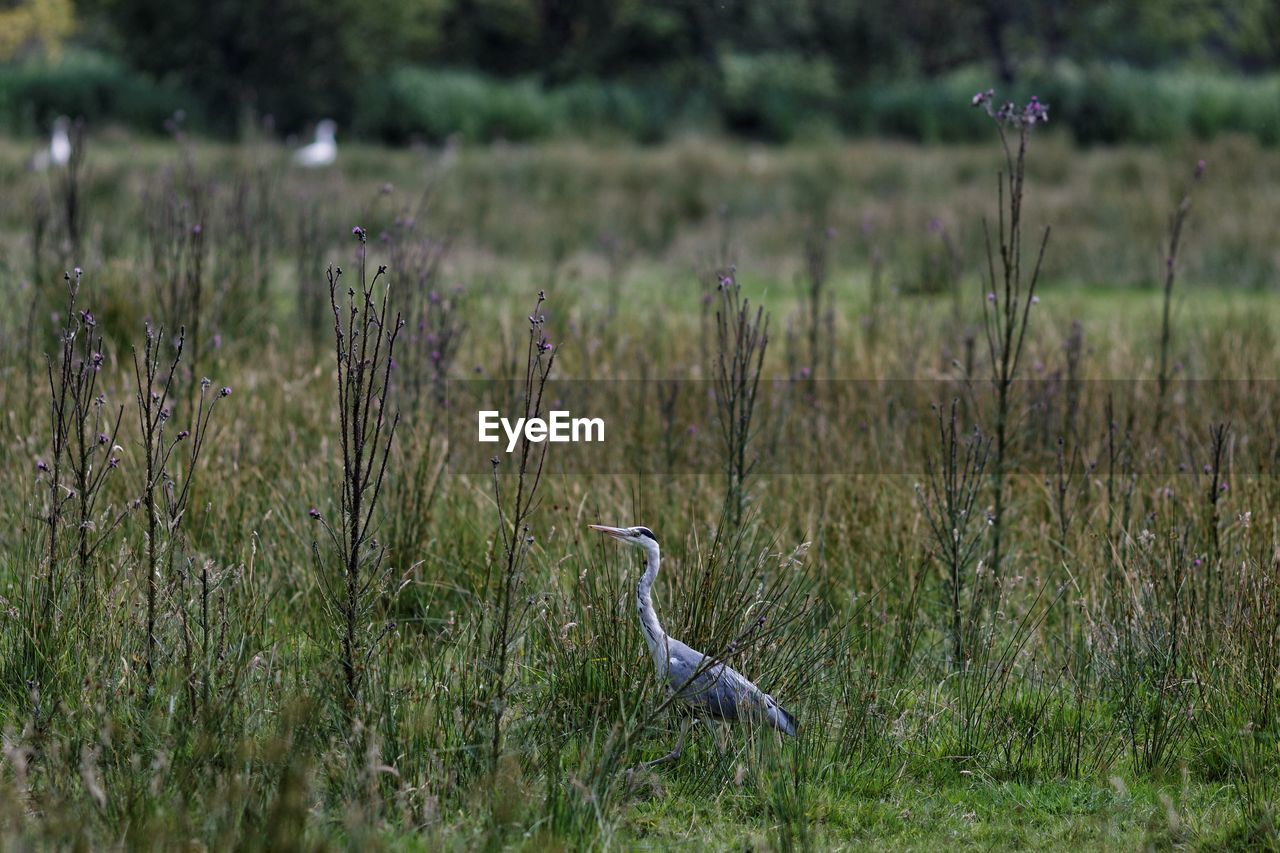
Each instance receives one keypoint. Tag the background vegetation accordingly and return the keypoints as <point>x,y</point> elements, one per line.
<point>518,70</point>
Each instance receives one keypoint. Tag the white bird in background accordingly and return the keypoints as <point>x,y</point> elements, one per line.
<point>323,151</point>
<point>58,153</point>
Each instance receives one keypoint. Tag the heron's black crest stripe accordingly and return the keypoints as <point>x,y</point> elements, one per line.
<point>644,531</point>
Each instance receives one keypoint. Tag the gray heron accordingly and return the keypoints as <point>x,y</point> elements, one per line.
<point>707,686</point>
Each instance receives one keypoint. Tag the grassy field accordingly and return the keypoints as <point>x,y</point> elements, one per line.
<point>223,622</point>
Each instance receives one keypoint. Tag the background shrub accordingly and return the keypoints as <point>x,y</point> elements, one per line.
<point>92,86</point>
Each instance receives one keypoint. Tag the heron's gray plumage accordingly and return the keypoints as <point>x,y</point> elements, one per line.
<point>715,689</point>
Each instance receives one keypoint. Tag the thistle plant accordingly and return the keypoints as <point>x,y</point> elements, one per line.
<point>169,471</point>
<point>365,335</point>
<point>83,449</point>
<point>953,481</point>
<point>1011,294</point>
<point>741,340</point>
<point>515,504</point>
<point>1176,222</point>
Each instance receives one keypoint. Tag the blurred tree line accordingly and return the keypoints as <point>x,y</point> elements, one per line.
<point>299,59</point>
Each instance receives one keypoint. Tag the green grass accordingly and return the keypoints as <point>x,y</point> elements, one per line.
<point>248,739</point>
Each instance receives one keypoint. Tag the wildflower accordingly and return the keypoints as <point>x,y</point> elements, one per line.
<point>225,392</point>
<point>1035,111</point>
<point>991,297</point>
<point>87,318</point>
<point>113,462</point>
<point>103,438</point>
<point>314,513</point>
<point>205,382</point>
<point>358,233</point>
<point>1208,469</point>
<point>544,345</point>
<point>1196,562</point>
<point>164,413</point>
<point>1035,300</point>
<point>982,98</point>
<point>1199,169</point>
<point>1223,487</point>
<point>96,360</point>
<point>183,434</point>
<point>41,465</point>
<point>197,230</point>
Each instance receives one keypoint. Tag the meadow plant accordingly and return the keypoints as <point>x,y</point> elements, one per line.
<point>1176,223</point>
<point>1007,308</point>
<point>83,449</point>
<point>819,317</point>
<point>741,340</point>
<point>170,464</point>
<point>515,504</point>
<point>176,214</point>
<point>953,483</point>
<point>70,196</point>
<point>365,336</point>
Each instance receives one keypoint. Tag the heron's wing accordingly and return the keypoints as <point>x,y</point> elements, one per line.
<point>700,685</point>
<point>722,691</point>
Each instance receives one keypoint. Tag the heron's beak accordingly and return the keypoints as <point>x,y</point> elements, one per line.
<point>615,532</point>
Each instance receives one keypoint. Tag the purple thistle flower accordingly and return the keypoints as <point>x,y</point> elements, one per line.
<point>41,465</point>
<point>183,434</point>
<point>96,360</point>
<point>314,513</point>
<point>991,297</point>
<point>225,392</point>
<point>113,462</point>
<point>358,233</point>
<point>87,318</point>
<point>103,438</point>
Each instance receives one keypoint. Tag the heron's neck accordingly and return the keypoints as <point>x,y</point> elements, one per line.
<point>654,636</point>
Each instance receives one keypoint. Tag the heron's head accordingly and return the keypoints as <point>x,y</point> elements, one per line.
<point>641,537</point>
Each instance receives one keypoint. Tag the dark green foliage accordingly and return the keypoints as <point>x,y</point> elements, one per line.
<point>96,88</point>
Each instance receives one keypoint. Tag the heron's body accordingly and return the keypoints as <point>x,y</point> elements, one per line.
<point>714,689</point>
<point>323,151</point>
